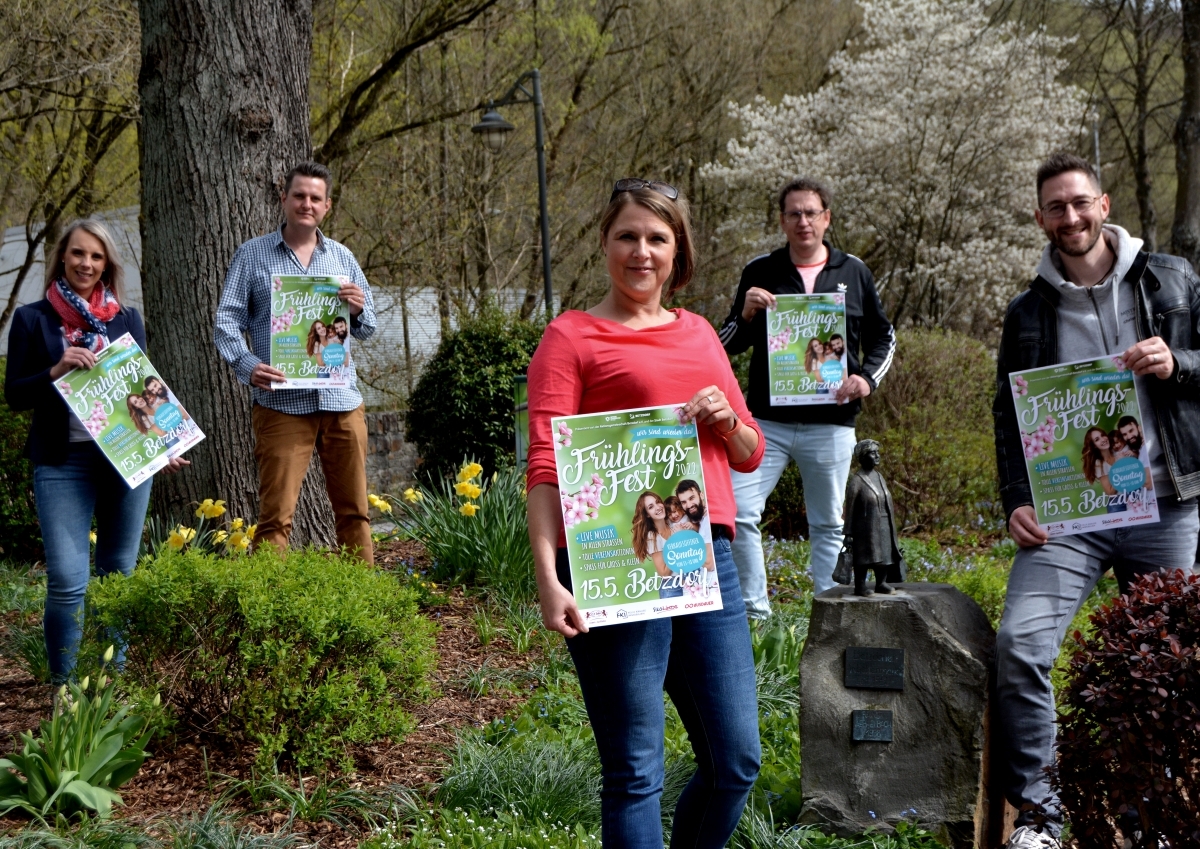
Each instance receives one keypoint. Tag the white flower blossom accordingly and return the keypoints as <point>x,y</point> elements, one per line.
<point>929,132</point>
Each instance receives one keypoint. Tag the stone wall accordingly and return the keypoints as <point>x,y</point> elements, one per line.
<point>391,461</point>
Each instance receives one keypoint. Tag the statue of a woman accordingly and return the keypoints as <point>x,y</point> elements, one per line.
<point>870,529</point>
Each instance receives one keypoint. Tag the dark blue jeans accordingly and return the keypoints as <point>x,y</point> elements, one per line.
<point>67,498</point>
<point>704,662</point>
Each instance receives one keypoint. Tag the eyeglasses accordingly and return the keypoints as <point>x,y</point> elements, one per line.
<point>632,184</point>
<point>1056,210</point>
<point>793,218</point>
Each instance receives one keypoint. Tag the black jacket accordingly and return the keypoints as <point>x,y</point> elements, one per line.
<point>1168,305</point>
<point>35,345</point>
<point>865,324</point>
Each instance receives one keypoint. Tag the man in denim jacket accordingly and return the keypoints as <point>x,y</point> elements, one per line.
<point>1097,293</point>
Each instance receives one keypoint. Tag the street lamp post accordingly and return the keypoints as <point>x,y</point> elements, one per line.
<point>493,130</point>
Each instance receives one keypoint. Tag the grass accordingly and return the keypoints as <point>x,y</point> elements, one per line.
<point>314,800</point>
<point>25,643</point>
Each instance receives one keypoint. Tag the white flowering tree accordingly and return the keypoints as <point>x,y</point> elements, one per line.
<point>929,132</point>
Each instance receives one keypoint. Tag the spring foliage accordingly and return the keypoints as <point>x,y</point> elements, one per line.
<point>929,131</point>
<point>463,404</point>
<point>1129,724</point>
<point>300,655</point>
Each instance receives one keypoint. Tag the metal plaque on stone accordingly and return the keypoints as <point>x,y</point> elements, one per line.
<point>874,668</point>
<point>871,726</point>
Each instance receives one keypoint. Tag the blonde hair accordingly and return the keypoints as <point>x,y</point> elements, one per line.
<point>114,272</point>
<point>675,214</point>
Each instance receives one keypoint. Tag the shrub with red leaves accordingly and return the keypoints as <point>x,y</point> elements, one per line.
<point>1129,721</point>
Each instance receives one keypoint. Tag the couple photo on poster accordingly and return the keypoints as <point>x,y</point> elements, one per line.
<point>817,354</point>
<point>682,517</point>
<point>322,339</point>
<point>151,405</point>
<point>1115,458</point>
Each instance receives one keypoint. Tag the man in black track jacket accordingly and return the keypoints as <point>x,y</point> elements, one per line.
<point>819,437</point>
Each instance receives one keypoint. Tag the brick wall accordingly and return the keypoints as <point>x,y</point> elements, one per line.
<point>390,460</point>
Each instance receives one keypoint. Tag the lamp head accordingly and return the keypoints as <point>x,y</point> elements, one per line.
<point>493,130</point>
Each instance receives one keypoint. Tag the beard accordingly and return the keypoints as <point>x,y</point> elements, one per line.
<point>1059,242</point>
<point>696,513</point>
<point>1134,443</point>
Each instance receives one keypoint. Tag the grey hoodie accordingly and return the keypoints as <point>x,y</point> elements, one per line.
<point>1092,323</point>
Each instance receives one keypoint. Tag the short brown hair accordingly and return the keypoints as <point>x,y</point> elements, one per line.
<point>114,272</point>
<point>1064,163</point>
<point>675,214</point>
<point>309,169</point>
<point>805,184</point>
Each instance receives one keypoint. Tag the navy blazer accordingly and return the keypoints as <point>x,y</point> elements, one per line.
<point>35,345</point>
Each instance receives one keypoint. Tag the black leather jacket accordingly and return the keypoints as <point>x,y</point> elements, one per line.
<point>1168,305</point>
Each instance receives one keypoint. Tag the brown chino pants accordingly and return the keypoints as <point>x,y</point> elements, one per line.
<point>283,448</point>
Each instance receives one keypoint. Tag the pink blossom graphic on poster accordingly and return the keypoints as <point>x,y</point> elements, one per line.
<point>1020,387</point>
<point>839,298</point>
<point>1119,362</point>
<point>582,506</point>
<point>563,437</point>
<point>64,387</point>
<point>97,421</point>
<point>1040,440</point>
<point>680,415</point>
<point>779,341</point>
<point>281,323</point>
<point>276,285</point>
<point>702,586</point>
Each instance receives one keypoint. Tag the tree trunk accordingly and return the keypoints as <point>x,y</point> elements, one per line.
<point>224,94</point>
<point>1185,232</point>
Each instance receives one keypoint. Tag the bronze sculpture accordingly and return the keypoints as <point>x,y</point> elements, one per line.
<point>870,527</point>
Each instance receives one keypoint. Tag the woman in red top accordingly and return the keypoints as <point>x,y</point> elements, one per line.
<point>628,351</point>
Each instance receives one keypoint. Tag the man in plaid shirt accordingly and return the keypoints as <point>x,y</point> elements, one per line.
<point>290,423</point>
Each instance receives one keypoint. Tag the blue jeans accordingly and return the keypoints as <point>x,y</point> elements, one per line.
<point>67,498</point>
<point>1047,586</point>
<point>704,662</point>
<point>822,452</point>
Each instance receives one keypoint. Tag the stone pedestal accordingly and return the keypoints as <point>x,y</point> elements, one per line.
<point>938,647</point>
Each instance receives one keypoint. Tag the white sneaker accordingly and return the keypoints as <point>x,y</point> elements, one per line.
<point>1026,838</point>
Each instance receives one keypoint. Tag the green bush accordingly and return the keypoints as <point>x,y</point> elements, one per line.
<point>300,654</point>
<point>463,404</point>
<point>932,417</point>
<point>20,534</point>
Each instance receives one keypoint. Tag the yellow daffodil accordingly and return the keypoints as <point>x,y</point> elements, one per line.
<point>473,491</point>
<point>412,496</point>
<point>220,536</point>
<point>250,531</point>
<point>468,509</point>
<point>380,504</point>
<point>473,470</point>
<point>210,509</point>
<point>238,541</point>
<point>463,474</point>
<point>462,486</point>
<point>92,537</point>
<point>180,537</point>
<point>237,525</point>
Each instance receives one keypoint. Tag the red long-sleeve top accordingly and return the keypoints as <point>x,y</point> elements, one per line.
<point>586,364</point>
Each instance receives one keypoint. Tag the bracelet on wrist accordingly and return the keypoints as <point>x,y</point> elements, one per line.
<point>726,434</point>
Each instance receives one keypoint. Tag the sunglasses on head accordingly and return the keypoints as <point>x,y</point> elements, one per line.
<point>632,184</point>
